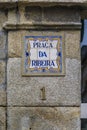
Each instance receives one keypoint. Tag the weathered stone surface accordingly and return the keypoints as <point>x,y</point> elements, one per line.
<point>16,39</point>
<point>44,118</point>
<point>4,1</point>
<point>3,18</point>
<point>2,72</point>
<point>2,118</point>
<point>59,90</point>
<point>30,14</point>
<point>61,17</point>
<point>2,95</point>
<point>81,3</point>
<point>65,1</point>
<point>33,13</point>
<point>2,40</point>
<point>14,44</point>
<point>12,15</point>
<point>36,14</point>
<point>71,41</point>
<point>72,44</point>
<point>37,17</point>
<point>2,54</point>
<point>62,1</point>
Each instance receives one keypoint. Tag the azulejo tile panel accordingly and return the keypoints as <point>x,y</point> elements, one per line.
<point>43,55</point>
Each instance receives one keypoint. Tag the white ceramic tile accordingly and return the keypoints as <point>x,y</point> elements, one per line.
<point>43,54</point>
<point>54,43</point>
<point>53,64</point>
<point>31,43</point>
<point>33,53</point>
<point>53,54</point>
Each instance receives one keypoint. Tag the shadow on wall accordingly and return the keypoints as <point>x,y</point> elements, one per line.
<point>84,124</point>
<point>84,61</point>
<point>84,69</point>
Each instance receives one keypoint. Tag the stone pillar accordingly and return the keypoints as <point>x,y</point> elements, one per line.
<point>3,61</point>
<point>60,109</point>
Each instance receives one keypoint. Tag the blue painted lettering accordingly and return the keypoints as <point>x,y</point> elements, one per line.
<point>43,63</point>
<point>42,54</point>
<point>52,63</point>
<point>42,45</point>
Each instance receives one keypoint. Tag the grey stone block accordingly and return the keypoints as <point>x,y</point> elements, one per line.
<point>3,18</point>
<point>33,13</point>
<point>44,118</point>
<point>2,71</point>
<point>72,40</point>
<point>48,14</point>
<point>2,97</point>
<point>72,44</point>
<point>60,91</point>
<point>59,15</point>
<point>2,83</point>
<point>2,40</point>
<point>2,118</point>
<point>2,54</point>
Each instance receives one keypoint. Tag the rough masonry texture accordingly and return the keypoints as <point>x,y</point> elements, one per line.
<point>3,18</point>
<point>59,90</point>
<point>2,118</point>
<point>43,118</point>
<point>21,104</point>
<point>16,39</point>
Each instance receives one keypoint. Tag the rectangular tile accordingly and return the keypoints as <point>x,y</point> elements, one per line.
<point>43,55</point>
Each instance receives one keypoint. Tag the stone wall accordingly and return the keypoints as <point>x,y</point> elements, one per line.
<point>3,75</point>
<point>22,107</point>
